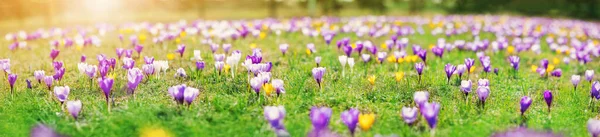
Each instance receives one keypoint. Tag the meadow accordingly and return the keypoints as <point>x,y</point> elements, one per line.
<point>227,104</point>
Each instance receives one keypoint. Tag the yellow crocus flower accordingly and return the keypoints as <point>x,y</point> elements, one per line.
<point>384,46</point>
<point>472,69</point>
<point>226,67</point>
<point>534,68</point>
<point>268,89</point>
<point>154,132</point>
<point>550,68</point>
<point>372,79</point>
<point>556,61</point>
<point>400,60</point>
<point>365,121</point>
<point>170,56</point>
<point>308,51</point>
<point>510,49</point>
<point>142,37</point>
<point>391,59</point>
<point>262,35</point>
<point>399,76</point>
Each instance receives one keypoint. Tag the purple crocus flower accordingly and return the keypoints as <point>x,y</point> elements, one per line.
<point>347,49</point>
<point>283,48</point>
<point>419,67</point>
<point>39,75</point>
<point>41,130</point>
<point>61,93</point>
<point>83,58</point>
<point>180,49</point>
<point>556,73</point>
<point>58,75</point>
<point>57,65</point>
<point>12,78</point>
<point>350,119</point>
<point>74,107</point>
<point>256,56</point>
<point>514,62</point>
<point>469,63</point>
<point>48,81</point>
<point>318,60</point>
<point>200,65</point>
<point>318,74</point>
<point>148,60</point>
<point>430,112</point>
<point>483,92</point>
<point>128,53</point>
<point>486,63</point>
<point>410,114</point>
<point>548,97</point>
<point>593,126</point>
<point>575,80</point>
<point>589,75</point>
<point>256,83</point>
<point>214,47</point>
<point>134,77</point>
<point>28,83</point>
<point>525,103</point>
<point>226,47</point>
<point>138,48</point>
<point>128,63</point>
<point>544,63</point>
<point>103,69</point>
<point>54,53</point>
<point>421,97</point>
<point>423,55</point>
<point>120,52</point>
<point>319,117</point>
<point>106,85</point>
<point>460,70</point>
<point>275,115</point>
<point>449,68</point>
<point>438,51</point>
<point>496,71</point>
<point>595,91</point>
<point>366,57</point>
<point>180,73</point>
<point>219,66</point>
<point>148,69</point>
<point>177,92</point>
<point>278,86</point>
<point>190,94</point>
<point>465,86</point>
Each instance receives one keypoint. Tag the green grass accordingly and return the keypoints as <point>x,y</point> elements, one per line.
<point>226,107</point>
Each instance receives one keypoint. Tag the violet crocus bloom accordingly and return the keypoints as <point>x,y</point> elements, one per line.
<point>278,86</point>
<point>200,65</point>
<point>460,70</point>
<point>423,55</point>
<point>483,82</point>
<point>437,51</point>
<point>421,97</point>
<point>138,48</point>
<point>575,80</point>
<point>28,83</point>
<point>103,70</point>
<point>486,63</point>
<point>318,74</point>
<point>430,112</point>
<point>595,91</point>
<point>177,92</point>
<point>128,53</point>
<point>593,126</point>
<point>419,67</point>
<point>190,94</point>
<point>180,73</point>
<point>548,98</point>
<point>41,130</point>
<point>74,107</point>
<point>350,119</point>
<point>589,75</point>
<point>219,66</point>
<point>106,85</point>
<point>54,53</point>
<point>483,92</point>
<point>134,77</point>
<point>449,68</point>
<point>465,86</point>
<point>275,115</point>
<point>90,71</point>
<point>48,81</point>
<point>128,63</point>
<point>283,48</point>
<point>469,63</point>
<point>12,78</point>
<point>556,73</point>
<point>410,114</point>
<point>61,93</point>
<point>214,47</point>
<point>256,83</point>
<point>525,103</point>
<point>319,117</point>
<point>347,49</point>
<point>514,62</point>
<point>148,60</point>
<point>544,63</point>
<point>120,52</point>
<point>180,49</point>
<point>366,57</point>
<point>496,71</point>
<point>57,65</point>
<point>83,58</point>
<point>148,69</point>
<point>318,60</point>
<point>58,75</point>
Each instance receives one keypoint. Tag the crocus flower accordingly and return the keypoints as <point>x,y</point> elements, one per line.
<point>366,57</point>
<point>318,74</point>
<point>128,53</point>
<point>120,52</point>
<point>460,70</point>
<point>351,63</point>
<point>275,115</point>
<point>197,56</point>
<point>310,48</point>
<point>514,62</point>
<point>575,80</point>
<point>39,75</point>
<point>148,60</point>
<point>319,117</point>
<point>138,48</point>
<point>48,81</point>
<point>409,114</point>
<point>318,60</point>
<point>465,86</point>
<point>544,63</point>
<point>256,83</point>
<point>41,130</point>
<point>74,107</point>
<point>28,83</point>
<point>12,78</point>
<point>200,65</point>
<point>219,57</point>
<point>437,51</point>
<point>486,63</point>
<point>381,56</point>
<point>58,75</point>
<point>57,65</point>
<point>469,63</point>
<point>83,58</point>
<point>419,67</point>
<point>343,60</point>
<point>177,92</point>
<point>180,49</point>
<point>283,48</point>
<point>548,98</point>
<point>525,103</point>
<point>449,68</point>
<point>61,93</point>
<point>219,66</point>
<point>214,47</point>
<point>421,97</point>
<point>556,73</point>
<point>483,92</point>
<point>5,65</point>
<point>350,119</point>
<point>54,53</point>
<point>190,94</point>
<point>593,126</point>
<point>278,86</point>
<point>106,85</point>
<point>134,77</point>
<point>589,75</point>
<point>430,112</point>
<point>595,91</point>
<point>496,71</point>
<point>90,70</point>
<point>180,73</point>
<point>148,69</point>
<point>483,82</point>
<point>422,54</point>
<point>365,121</point>
<point>128,63</point>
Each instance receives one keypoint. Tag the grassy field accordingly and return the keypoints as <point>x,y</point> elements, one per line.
<point>226,106</point>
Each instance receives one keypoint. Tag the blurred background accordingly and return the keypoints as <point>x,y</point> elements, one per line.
<point>31,14</point>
